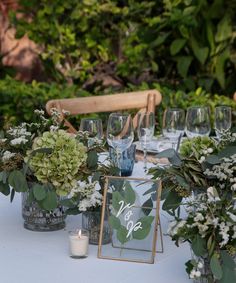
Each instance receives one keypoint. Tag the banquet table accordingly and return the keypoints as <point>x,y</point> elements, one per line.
<point>36,257</point>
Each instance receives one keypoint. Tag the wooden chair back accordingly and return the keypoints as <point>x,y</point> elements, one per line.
<point>145,101</point>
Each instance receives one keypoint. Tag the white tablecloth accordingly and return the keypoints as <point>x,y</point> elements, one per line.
<point>34,257</point>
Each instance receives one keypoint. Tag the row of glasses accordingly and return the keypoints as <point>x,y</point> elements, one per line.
<point>196,123</point>
<point>120,133</point>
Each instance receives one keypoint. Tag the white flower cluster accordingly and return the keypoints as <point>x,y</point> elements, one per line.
<point>196,271</point>
<point>7,155</point>
<point>88,193</point>
<point>174,227</point>
<point>224,172</point>
<point>204,153</point>
<point>20,134</point>
<point>41,115</point>
<point>205,213</point>
<point>212,195</point>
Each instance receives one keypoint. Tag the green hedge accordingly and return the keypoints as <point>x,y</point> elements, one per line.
<point>188,43</point>
<point>18,99</point>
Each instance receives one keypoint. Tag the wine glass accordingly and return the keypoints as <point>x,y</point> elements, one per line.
<point>146,125</point>
<point>173,124</point>
<point>120,133</point>
<point>222,120</point>
<point>197,121</point>
<point>94,128</point>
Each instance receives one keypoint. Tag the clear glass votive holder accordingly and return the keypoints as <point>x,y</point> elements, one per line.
<point>126,161</point>
<point>78,243</point>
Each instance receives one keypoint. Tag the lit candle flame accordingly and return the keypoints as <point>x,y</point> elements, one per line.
<point>79,233</point>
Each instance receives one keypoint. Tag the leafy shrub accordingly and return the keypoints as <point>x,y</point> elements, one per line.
<point>188,43</point>
<point>18,99</point>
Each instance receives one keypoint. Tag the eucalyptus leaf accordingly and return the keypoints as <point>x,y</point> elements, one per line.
<point>3,176</point>
<point>227,151</point>
<point>212,159</point>
<point>229,268</point>
<point>122,233</point>
<point>50,201</point>
<point>172,201</point>
<point>116,198</point>
<point>129,193</point>
<point>114,222</point>
<point>216,267</point>
<point>199,245</point>
<point>146,224</point>
<point>73,211</point>
<point>228,260</point>
<point>18,181</point>
<point>167,153</point>
<point>39,192</point>
<point>4,188</point>
<point>67,203</point>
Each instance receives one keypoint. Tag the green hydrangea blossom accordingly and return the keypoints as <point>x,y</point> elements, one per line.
<point>60,167</point>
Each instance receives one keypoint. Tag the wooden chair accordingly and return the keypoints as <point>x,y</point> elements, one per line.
<point>145,101</point>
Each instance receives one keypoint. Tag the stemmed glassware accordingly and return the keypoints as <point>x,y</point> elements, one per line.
<point>120,133</point>
<point>222,120</point>
<point>146,126</point>
<point>197,121</point>
<point>94,128</point>
<point>173,124</point>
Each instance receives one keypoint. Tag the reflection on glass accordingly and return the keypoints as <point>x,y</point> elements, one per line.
<point>197,122</point>
<point>173,124</point>
<point>146,125</point>
<point>120,133</point>
<point>222,120</point>
<point>93,126</point>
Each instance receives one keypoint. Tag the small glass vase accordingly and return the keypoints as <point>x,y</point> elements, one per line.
<point>91,221</point>
<point>40,220</point>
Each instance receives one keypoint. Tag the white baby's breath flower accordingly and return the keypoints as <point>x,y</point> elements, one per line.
<point>200,265</point>
<point>210,150</point>
<point>198,217</point>
<point>7,155</point>
<point>233,187</point>
<point>84,204</point>
<point>232,216</point>
<point>202,159</point>
<point>224,229</point>
<point>198,274</point>
<point>53,128</point>
<point>19,141</point>
<point>39,112</point>
<point>195,274</point>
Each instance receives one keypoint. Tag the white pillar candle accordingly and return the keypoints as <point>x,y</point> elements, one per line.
<point>78,241</point>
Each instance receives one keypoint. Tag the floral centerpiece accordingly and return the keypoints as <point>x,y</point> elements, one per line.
<point>47,164</point>
<point>200,192</point>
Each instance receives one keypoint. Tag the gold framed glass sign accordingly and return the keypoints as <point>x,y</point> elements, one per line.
<point>131,206</point>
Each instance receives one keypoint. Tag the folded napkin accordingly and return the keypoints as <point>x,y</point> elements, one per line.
<point>151,158</point>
